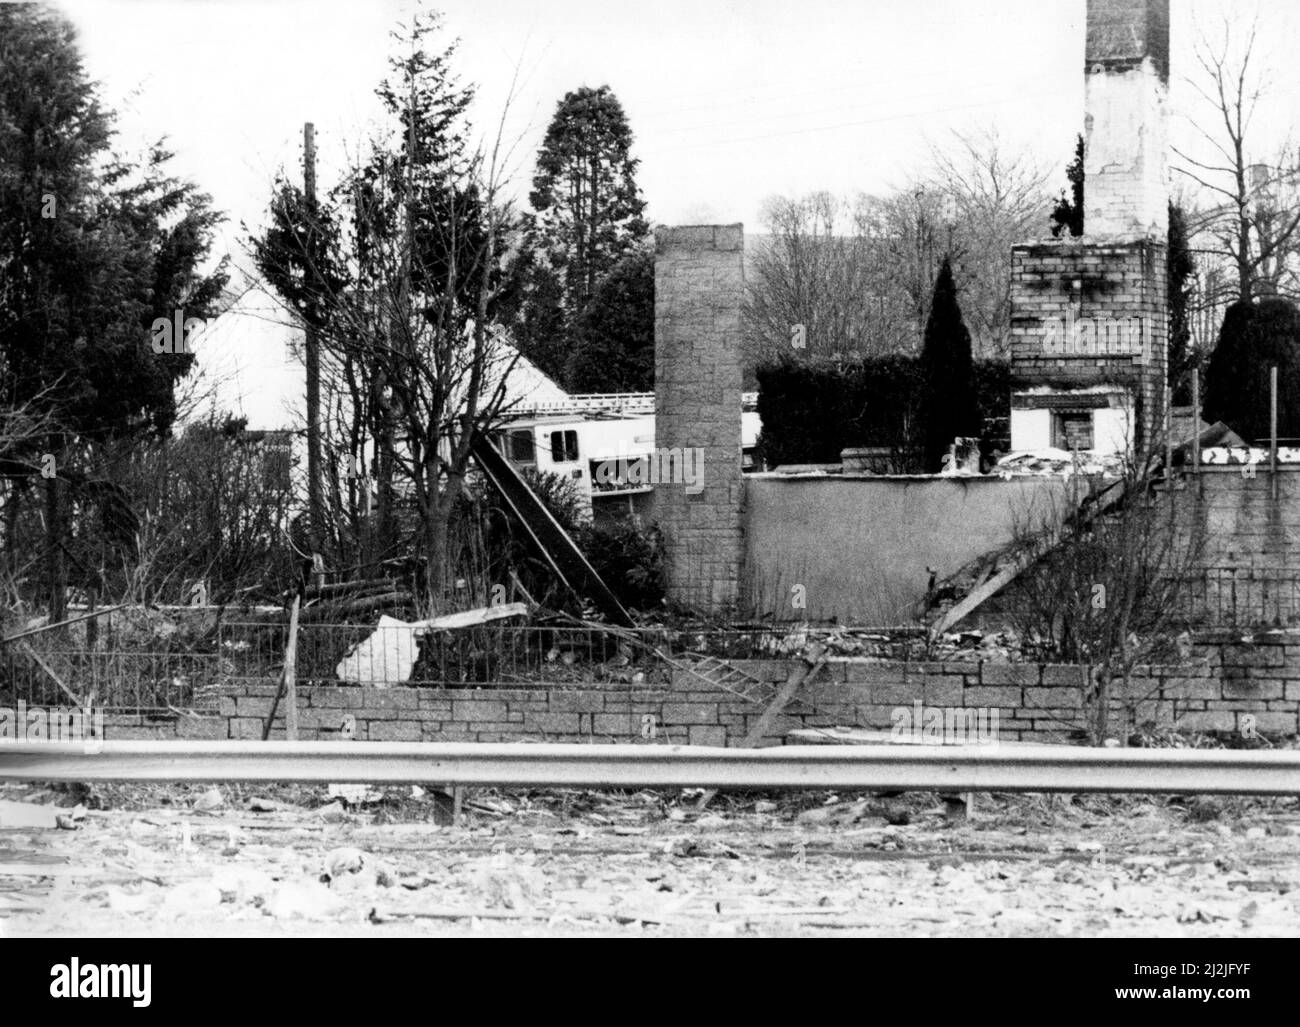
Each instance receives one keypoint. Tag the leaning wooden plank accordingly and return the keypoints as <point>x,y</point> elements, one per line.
<point>800,677</point>
<point>985,592</point>
<point>472,618</point>
<point>551,540</point>
<point>1096,505</point>
<point>49,672</point>
<point>291,675</point>
<point>779,702</point>
<point>41,628</point>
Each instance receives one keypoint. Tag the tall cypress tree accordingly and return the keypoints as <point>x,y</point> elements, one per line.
<point>949,409</point>
<point>1068,214</point>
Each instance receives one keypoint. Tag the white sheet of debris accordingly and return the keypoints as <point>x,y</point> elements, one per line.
<point>388,656</point>
<point>1219,455</point>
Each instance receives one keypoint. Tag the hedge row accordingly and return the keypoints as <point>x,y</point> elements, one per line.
<point>812,411</point>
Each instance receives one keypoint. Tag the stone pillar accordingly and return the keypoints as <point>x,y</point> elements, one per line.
<point>699,286</point>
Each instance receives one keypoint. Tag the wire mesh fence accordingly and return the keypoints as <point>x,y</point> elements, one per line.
<point>1245,597</point>
<point>166,668</point>
<point>134,661</point>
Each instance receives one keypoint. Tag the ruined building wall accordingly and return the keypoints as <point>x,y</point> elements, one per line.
<point>1126,163</point>
<point>1226,681</point>
<point>1108,288</point>
<point>699,287</point>
<point>1118,288</point>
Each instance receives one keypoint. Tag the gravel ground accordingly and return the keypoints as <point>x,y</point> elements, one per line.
<point>266,861</point>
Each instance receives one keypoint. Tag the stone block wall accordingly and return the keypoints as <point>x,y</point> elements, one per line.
<point>1241,522</point>
<point>1248,563</point>
<point>1229,680</point>
<point>699,287</point>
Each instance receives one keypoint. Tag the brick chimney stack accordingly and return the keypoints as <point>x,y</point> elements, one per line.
<point>1126,161</point>
<point>1089,317</point>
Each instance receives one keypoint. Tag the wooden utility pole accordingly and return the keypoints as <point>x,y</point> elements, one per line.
<point>291,674</point>
<point>1169,442</point>
<point>1196,428</point>
<point>315,493</point>
<point>1272,428</point>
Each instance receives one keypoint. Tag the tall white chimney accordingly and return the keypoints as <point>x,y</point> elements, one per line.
<point>1126,162</point>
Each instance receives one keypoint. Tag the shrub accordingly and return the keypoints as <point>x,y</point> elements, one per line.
<point>1255,337</point>
<point>630,561</point>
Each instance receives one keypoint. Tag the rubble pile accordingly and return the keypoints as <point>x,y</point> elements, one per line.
<point>903,644</point>
<point>1057,463</point>
<point>573,863</point>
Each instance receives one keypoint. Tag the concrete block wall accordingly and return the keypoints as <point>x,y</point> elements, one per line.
<point>699,288</point>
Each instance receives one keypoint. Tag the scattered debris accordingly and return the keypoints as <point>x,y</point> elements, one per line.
<point>703,848</point>
<point>71,820</point>
<point>354,795</point>
<point>28,814</point>
<point>299,900</point>
<point>257,804</point>
<point>1058,463</point>
<point>388,656</point>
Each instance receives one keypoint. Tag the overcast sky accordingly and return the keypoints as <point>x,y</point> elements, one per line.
<point>729,101</point>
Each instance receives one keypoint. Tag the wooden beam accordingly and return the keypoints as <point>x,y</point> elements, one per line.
<point>1104,501</point>
<point>797,678</point>
<point>49,671</point>
<point>987,591</point>
<point>291,675</point>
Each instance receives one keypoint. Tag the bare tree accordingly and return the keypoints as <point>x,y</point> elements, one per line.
<point>404,270</point>
<point>822,267</point>
<point>997,197</point>
<point>1113,575</point>
<point>1248,216</point>
<point>858,274</point>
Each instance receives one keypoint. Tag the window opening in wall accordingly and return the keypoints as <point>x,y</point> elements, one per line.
<point>1072,430</point>
<point>522,450</point>
<point>564,446</point>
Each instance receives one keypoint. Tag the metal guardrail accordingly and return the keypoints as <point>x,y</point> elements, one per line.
<point>902,767</point>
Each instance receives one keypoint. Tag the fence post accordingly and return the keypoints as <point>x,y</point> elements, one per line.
<point>1273,428</point>
<point>291,674</point>
<point>1196,429</point>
